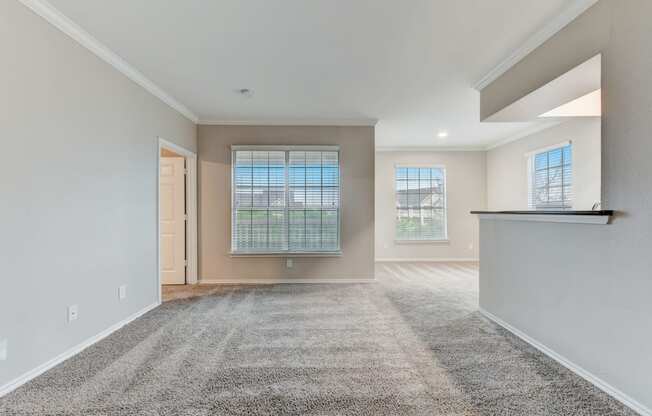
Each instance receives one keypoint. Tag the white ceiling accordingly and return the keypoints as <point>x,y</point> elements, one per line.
<point>411,65</point>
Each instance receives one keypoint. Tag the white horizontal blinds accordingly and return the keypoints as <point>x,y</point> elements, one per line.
<point>313,200</point>
<point>420,204</point>
<point>330,202</point>
<point>285,201</point>
<point>552,179</point>
<point>259,215</point>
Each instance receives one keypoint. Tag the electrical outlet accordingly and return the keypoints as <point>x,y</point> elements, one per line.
<point>122,292</point>
<point>73,313</point>
<point>289,263</point>
<point>4,346</point>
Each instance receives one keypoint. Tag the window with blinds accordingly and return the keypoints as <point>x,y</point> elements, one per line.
<point>420,203</point>
<point>285,200</point>
<point>551,178</point>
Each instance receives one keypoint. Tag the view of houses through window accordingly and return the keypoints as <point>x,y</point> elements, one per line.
<point>420,203</point>
<point>285,200</point>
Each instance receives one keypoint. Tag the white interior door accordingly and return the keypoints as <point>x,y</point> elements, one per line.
<point>172,216</point>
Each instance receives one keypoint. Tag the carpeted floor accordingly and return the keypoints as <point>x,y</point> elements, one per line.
<point>411,344</point>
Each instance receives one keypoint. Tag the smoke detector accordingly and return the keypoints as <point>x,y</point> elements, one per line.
<point>246,92</point>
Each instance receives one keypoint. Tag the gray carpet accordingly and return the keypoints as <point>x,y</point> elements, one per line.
<point>411,344</point>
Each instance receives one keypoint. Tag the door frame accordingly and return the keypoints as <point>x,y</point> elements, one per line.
<point>191,210</point>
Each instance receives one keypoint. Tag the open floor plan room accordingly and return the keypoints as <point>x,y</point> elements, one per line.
<point>325,207</point>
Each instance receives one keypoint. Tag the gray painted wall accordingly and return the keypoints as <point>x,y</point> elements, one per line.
<point>507,165</point>
<point>357,167</point>
<point>78,190</point>
<point>584,291</point>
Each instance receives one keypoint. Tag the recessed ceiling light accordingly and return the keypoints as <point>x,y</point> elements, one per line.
<point>442,134</point>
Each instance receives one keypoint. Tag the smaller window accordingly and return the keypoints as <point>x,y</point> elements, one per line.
<point>420,203</point>
<point>551,178</point>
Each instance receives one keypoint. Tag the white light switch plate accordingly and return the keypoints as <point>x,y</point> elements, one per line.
<point>289,263</point>
<point>73,313</point>
<point>4,345</point>
<point>122,292</point>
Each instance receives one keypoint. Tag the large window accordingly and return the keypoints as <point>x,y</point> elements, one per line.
<point>285,200</point>
<point>420,203</point>
<point>551,178</point>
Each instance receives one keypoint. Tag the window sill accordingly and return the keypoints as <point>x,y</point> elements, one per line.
<point>288,255</point>
<point>422,241</point>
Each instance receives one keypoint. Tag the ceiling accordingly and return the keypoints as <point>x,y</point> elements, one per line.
<point>410,65</point>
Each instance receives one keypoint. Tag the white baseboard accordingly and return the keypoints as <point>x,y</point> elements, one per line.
<point>428,260</point>
<point>19,381</point>
<point>258,281</point>
<point>591,378</point>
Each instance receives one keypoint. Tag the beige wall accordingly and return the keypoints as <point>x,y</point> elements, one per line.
<point>507,170</point>
<point>78,185</point>
<point>357,170</point>
<point>465,180</point>
<point>584,290</point>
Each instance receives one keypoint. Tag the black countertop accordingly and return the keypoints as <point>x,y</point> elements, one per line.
<point>549,212</point>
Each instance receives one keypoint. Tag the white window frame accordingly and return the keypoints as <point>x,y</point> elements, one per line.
<point>531,171</point>
<point>287,148</point>
<point>443,240</point>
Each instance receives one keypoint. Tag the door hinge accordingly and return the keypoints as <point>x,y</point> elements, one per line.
<point>185,171</point>
<point>185,263</point>
<point>185,217</point>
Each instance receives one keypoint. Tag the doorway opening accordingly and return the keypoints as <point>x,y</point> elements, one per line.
<point>177,219</point>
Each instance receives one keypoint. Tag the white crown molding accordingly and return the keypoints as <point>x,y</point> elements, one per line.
<point>429,149</point>
<point>48,12</point>
<point>19,381</point>
<point>349,122</point>
<point>570,13</point>
<point>588,376</point>
<point>536,128</point>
